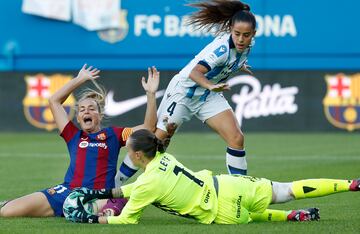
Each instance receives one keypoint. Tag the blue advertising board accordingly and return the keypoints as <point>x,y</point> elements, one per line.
<point>291,35</point>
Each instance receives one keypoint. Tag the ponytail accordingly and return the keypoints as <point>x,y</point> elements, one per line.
<point>162,145</point>
<point>220,13</point>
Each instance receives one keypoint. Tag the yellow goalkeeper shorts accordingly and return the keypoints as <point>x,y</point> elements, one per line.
<point>239,195</point>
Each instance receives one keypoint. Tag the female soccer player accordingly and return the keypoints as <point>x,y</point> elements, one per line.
<point>93,150</point>
<point>222,199</point>
<point>197,89</point>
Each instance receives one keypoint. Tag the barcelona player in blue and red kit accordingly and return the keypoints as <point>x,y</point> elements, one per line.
<point>93,150</point>
<point>93,156</point>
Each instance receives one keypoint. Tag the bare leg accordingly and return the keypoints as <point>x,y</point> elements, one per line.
<point>227,126</point>
<point>32,205</point>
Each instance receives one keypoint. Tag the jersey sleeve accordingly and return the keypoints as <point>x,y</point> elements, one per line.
<point>142,195</point>
<point>123,134</point>
<point>215,57</point>
<point>69,131</point>
<point>126,189</point>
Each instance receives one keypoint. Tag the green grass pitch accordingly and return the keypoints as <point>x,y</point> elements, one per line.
<point>31,162</point>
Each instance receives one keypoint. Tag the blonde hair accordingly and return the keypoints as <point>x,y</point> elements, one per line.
<point>98,96</point>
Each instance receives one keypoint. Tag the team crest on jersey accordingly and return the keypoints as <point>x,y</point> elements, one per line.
<point>116,34</point>
<point>101,136</point>
<point>342,101</point>
<point>36,107</point>
<point>220,51</point>
<point>51,191</point>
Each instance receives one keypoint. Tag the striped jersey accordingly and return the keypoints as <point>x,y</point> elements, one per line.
<point>170,186</point>
<point>93,157</point>
<point>221,59</point>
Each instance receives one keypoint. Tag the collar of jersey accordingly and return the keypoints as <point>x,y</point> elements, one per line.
<point>154,162</point>
<point>84,134</point>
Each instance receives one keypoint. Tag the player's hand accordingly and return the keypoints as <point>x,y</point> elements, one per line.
<point>79,215</point>
<point>246,68</point>
<point>88,73</point>
<point>219,87</point>
<point>152,83</point>
<point>90,194</point>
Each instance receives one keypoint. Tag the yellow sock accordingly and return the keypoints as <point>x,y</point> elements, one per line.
<point>318,187</point>
<point>270,216</point>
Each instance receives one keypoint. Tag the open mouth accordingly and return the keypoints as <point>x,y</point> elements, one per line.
<point>87,120</point>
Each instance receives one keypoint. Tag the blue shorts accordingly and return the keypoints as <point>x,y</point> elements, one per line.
<point>56,196</point>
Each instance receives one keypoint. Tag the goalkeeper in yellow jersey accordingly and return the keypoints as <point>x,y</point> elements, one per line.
<point>221,199</point>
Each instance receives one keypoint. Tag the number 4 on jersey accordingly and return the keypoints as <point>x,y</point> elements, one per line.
<point>171,108</point>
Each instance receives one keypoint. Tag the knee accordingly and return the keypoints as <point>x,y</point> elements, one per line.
<point>236,140</point>
<point>5,211</point>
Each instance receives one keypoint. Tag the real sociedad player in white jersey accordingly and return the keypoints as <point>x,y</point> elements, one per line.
<point>197,89</point>
<point>221,58</point>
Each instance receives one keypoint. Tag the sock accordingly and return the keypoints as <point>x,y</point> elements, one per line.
<point>127,170</point>
<point>319,187</point>
<point>270,215</point>
<point>236,161</point>
<point>282,192</point>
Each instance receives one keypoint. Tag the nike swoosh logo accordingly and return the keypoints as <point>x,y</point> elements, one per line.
<point>114,108</point>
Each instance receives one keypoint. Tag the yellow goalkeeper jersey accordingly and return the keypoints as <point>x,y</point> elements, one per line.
<point>169,185</point>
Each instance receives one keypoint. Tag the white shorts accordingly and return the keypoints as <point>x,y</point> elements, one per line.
<point>178,108</point>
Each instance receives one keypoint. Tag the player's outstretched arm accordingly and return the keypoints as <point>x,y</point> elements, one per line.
<point>59,97</point>
<point>198,75</point>
<point>150,86</point>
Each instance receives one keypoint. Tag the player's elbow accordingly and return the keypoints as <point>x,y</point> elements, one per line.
<point>193,74</point>
<point>53,100</point>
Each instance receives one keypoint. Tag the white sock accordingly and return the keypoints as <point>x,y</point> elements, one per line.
<point>127,169</point>
<point>281,192</point>
<point>236,161</point>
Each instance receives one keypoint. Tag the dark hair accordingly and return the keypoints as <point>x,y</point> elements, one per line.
<point>221,13</point>
<point>146,141</point>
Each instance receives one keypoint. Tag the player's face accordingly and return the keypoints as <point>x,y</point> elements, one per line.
<point>88,116</point>
<point>242,34</point>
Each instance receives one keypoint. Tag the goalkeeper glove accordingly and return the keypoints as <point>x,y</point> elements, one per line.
<point>90,194</point>
<point>79,215</point>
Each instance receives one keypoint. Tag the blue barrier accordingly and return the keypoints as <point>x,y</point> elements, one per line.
<point>292,35</point>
